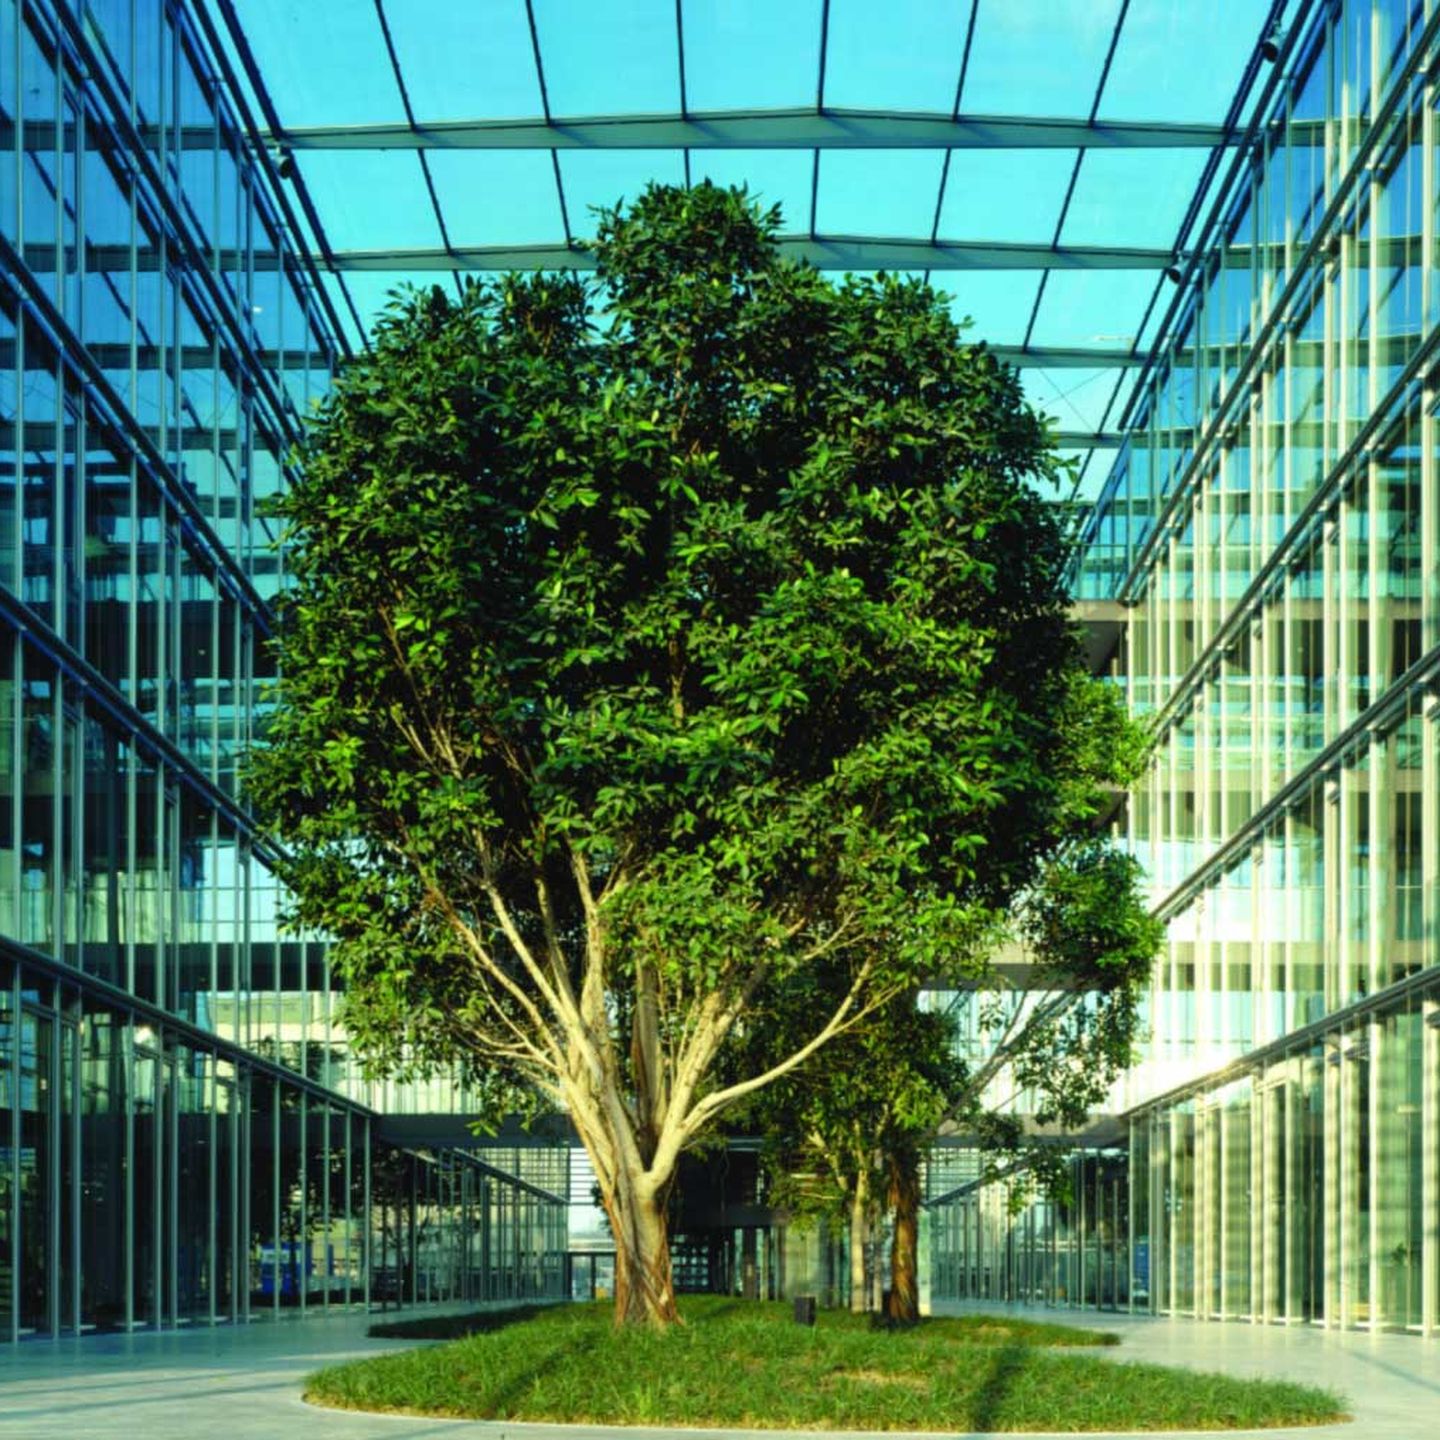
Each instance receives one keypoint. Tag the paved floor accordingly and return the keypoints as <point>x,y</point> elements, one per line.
<point>245,1384</point>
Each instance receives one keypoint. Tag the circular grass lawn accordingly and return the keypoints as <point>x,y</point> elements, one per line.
<point>746,1364</point>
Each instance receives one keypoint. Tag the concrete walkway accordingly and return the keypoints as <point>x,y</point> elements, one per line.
<point>244,1384</point>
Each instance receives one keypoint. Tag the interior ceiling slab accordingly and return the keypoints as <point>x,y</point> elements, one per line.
<point>1037,160</point>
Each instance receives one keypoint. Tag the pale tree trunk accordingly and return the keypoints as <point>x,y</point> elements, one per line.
<point>859,1242</point>
<point>904,1197</point>
<point>644,1285</point>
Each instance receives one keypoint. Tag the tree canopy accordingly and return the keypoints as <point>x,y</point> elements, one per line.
<point>655,640</point>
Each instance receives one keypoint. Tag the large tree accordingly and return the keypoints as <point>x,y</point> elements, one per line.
<point>633,665</point>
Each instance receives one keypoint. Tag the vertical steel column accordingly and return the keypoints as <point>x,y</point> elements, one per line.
<point>1430,1154</point>
<point>1337,1289</point>
<point>14,1145</point>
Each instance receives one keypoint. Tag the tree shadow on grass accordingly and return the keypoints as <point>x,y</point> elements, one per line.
<point>562,1357</point>
<point>988,1406</point>
<point>455,1327</point>
<point>725,1308</point>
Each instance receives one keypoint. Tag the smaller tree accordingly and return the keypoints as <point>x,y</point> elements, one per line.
<point>1049,1043</point>
<point>846,1137</point>
<point>834,1129</point>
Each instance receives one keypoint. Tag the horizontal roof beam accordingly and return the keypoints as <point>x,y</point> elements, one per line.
<point>1087,439</point>
<point>799,129</point>
<point>825,252</point>
<point>1065,357</point>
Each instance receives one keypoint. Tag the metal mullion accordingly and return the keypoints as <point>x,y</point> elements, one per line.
<point>211,1101</point>
<point>819,110</point>
<point>241,1188</point>
<point>1259,1249</point>
<point>1335,1282</point>
<point>17,157</point>
<point>680,63</point>
<point>237,1199</point>
<point>170,1170</point>
<point>157,1181</point>
<point>348,1132</point>
<point>1430,1112</point>
<point>1373,1038</point>
<point>410,117</point>
<point>954,115</point>
<point>72,1039</point>
<point>276,1271</point>
<point>366,1235</point>
<point>825,252</point>
<point>325,1199</point>
<point>127,1064</point>
<point>15,1047</point>
<point>302,1115</point>
<point>48,1015</point>
<point>545,109</point>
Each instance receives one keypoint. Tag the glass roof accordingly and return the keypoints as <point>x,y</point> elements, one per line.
<point>1037,159</point>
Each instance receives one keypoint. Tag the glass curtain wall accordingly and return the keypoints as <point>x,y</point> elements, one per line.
<point>184,1136</point>
<point>1304,1187</point>
<point>149,1180</point>
<point>1272,530</point>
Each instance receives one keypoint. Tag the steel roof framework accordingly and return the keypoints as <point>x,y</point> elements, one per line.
<point>1111,360</point>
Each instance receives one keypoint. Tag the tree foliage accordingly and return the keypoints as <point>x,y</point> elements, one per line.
<point>634,670</point>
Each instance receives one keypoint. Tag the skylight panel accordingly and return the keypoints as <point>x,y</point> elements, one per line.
<point>1005,195</point>
<point>498,197</point>
<point>1037,57</point>
<point>1132,197</point>
<point>324,64</point>
<point>465,62</point>
<point>373,290</point>
<point>371,199</point>
<point>906,59</point>
<point>604,178</point>
<point>1092,307</point>
<point>1077,399</point>
<point>622,56</point>
<point>878,192</point>
<point>997,301</point>
<point>1155,74</point>
<point>773,177</point>
<point>751,54</point>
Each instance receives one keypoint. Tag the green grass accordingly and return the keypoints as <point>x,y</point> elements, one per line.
<point>740,1363</point>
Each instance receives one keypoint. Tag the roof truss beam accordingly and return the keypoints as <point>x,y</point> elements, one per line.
<point>806,129</point>
<point>825,252</point>
<point>1065,357</point>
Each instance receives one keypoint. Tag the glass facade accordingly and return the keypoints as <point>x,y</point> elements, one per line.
<point>1271,533</point>
<point>184,1135</point>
